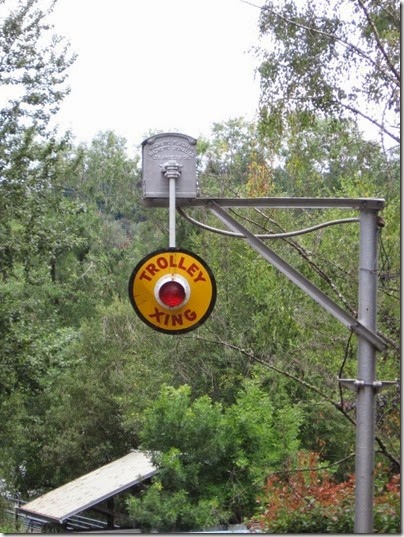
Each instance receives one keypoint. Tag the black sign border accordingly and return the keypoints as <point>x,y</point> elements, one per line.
<point>144,319</point>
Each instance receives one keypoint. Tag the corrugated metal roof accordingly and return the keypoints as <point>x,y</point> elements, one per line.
<point>91,489</point>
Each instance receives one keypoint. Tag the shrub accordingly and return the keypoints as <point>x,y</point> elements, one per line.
<point>309,500</point>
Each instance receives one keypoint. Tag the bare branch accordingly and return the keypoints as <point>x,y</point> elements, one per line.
<point>378,41</point>
<point>331,37</point>
<point>376,123</point>
<point>313,468</point>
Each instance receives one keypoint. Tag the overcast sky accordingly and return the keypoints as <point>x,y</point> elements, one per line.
<point>147,65</point>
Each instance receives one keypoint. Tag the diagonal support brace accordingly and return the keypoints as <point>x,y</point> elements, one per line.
<point>297,278</point>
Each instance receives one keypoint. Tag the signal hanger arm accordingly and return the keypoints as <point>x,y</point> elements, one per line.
<point>297,278</point>
<point>172,171</point>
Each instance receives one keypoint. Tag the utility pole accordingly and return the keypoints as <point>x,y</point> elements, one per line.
<point>366,375</point>
<point>173,157</point>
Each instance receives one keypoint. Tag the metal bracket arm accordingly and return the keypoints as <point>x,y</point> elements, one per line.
<point>276,203</point>
<point>301,281</point>
<point>378,385</point>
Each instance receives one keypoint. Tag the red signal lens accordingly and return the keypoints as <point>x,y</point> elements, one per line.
<point>172,294</point>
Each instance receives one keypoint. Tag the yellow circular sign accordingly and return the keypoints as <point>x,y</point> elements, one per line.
<point>173,291</point>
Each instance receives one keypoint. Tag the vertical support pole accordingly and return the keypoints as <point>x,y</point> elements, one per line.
<point>110,513</point>
<point>366,369</point>
<point>171,213</point>
<point>172,171</point>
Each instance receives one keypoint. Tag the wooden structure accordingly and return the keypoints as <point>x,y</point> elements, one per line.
<point>63,505</point>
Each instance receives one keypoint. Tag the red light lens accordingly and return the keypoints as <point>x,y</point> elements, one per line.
<point>172,294</point>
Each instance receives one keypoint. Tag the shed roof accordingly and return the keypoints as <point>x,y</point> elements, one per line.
<point>93,488</point>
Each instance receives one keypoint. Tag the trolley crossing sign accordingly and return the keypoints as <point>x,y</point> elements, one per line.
<point>173,291</point>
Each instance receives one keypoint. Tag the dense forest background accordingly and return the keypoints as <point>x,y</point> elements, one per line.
<point>235,410</point>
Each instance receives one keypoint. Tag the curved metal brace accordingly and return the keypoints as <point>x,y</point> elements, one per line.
<point>267,235</point>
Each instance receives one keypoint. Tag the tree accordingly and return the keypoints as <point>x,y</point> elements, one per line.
<point>34,62</point>
<point>234,155</point>
<point>212,459</point>
<point>33,68</point>
<point>108,178</point>
<point>80,372</point>
<point>338,58</point>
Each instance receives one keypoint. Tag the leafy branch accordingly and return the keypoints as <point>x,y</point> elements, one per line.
<point>330,37</point>
<point>379,43</point>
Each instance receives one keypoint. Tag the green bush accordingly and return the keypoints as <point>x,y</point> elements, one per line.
<point>212,459</point>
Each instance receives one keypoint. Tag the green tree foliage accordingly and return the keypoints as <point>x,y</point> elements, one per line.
<point>339,58</point>
<point>80,372</point>
<point>64,254</point>
<point>69,261</point>
<point>108,177</point>
<point>107,181</point>
<point>229,158</point>
<point>33,67</point>
<point>212,459</point>
<point>95,403</point>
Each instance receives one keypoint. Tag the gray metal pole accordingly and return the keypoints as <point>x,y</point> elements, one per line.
<point>172,171</point>
<point>171,213</point>
<point>366,369</point>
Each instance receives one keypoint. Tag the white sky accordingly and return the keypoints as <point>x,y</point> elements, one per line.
<point>168,65</point>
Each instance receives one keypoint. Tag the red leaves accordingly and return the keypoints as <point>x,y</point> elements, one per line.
<point>317,484</point>
<point>309,498</point>
<point>303,490</point>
